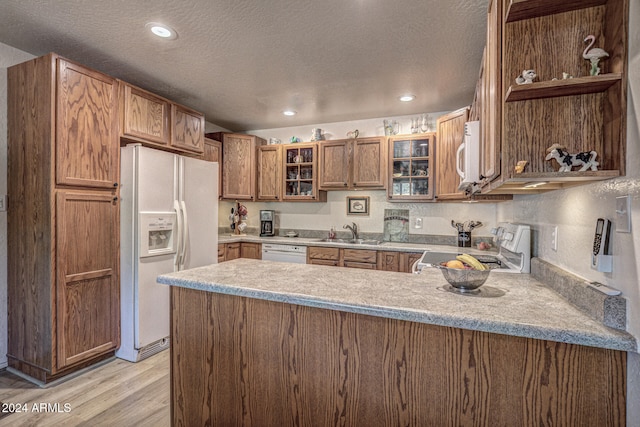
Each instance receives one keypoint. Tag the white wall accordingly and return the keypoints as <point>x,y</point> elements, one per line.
<point>8,57</point>
<point>575,211</point>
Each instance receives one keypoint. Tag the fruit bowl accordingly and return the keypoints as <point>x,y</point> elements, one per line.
<point>464,280</point>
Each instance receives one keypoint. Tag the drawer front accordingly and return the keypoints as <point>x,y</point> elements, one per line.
<point>360,255</point>
<point>332,263</point>
<point>323,253</point>
<point>364,265</point>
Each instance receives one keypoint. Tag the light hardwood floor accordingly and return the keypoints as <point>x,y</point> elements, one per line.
<point>118,393</point>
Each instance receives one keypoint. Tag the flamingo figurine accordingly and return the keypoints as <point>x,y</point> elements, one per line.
<point>593,55</point>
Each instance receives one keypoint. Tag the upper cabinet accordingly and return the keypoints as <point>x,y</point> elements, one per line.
<point>411,160</point>
<point>582,114</point>
<point>450,137</point>
<point>187,129</point>
<point>269,172</point>
<point>239,167</point>
<point>145,116</point>
<point>213,153</point>
<point>86,123</point>
<point>352,164</point>
<point>158,122</point>
<point>300,167</point>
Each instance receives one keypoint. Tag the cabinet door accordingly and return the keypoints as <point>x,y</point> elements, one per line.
<point>369,163</point>
<point>87,145</point>
<point>389,261</point>
<point>187,129</point>
<point>334,165</point>
<point>144,116</point>
<point>407,259</point>
<point>213,153</point>
<point>238,170</point>
<point>411,167</point>
<point>269,172</point>
<point>231,251</point>
<point>491,110</point>
<point>221,252</point>
<point>251,250</point>
<point>87,276</point>
<point>450,136</point>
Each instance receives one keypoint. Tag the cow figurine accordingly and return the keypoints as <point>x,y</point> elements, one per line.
<point>586,159</point>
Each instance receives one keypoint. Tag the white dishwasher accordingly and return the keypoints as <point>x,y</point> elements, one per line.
<point>284,253</point>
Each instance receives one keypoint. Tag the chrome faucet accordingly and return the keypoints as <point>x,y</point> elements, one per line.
<point>354,230</point>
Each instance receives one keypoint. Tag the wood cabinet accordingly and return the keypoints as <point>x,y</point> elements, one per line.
<point>352,164</point>
<point>450,137</point>
<point>584,113</point>
<point>388,261</point>
<point>145,116</point>
<point>251,250</point>
<point>300,166</point>
<point>155,121</point>
<point>63,222</point>
<point>235,250</point>
<point>187,129</point>
<point>360,258</point>
<point>213,153</point>
<point>411,161</point>
<point>323,256</point>
<point>239,168</point>
<point>269,172</point>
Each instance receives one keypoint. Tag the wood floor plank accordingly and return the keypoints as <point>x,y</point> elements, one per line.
<point>118,393</point>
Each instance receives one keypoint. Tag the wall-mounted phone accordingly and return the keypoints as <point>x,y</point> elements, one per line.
<point>601,258</point>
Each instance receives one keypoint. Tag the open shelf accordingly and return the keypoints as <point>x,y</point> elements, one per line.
<point>566,87</point>
<point>527,9</point>
<point>524,183</point>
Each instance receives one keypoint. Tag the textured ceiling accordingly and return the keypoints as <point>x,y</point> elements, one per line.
<point>242,62</point>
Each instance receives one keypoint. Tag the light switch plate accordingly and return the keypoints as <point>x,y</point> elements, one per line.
<point>3,203</point>
<point>623,214</point>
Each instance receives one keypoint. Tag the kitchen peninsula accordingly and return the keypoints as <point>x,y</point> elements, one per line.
<point>267,343</point>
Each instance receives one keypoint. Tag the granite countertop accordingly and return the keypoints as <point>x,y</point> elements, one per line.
<point>526,307</point>
<point>383,246</point>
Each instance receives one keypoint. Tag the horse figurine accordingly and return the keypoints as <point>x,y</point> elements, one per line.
<point>586,159</point>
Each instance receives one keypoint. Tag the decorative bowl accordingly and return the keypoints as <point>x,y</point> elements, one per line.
<point>464,280</point>
<point>397,175</point>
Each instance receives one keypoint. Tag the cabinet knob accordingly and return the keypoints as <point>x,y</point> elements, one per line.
<point>355,184</point>
<point>115,199</point>
<point>345,184</point>
<point>276,197</point>
<point>115,184</point>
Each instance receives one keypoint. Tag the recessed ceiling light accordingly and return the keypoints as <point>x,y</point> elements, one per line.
<point>162,30</point>
<point>407,98</point>
<point>289,113</point>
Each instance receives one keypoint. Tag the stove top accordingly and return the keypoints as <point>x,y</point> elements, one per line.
<point>514,251</point>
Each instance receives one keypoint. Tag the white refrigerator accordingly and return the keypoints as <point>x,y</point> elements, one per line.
<point>169,222</point>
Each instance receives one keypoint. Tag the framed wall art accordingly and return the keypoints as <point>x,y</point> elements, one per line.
<point>358,205</point>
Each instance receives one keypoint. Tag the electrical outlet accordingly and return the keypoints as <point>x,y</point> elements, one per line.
<point>554,238</point>
<point>623,217</point>
<point>417,223</point>
<point>3,203</point>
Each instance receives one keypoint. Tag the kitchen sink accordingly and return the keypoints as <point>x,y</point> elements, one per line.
<point>351,241</point>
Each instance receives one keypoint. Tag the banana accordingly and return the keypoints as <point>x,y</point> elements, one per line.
<point>471,261</point>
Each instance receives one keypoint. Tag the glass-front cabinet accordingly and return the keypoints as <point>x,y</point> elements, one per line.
<point>300,173</point>
<point>411,167</point>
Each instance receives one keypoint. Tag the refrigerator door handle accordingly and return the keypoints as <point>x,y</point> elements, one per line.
<point>185,235</point>
<point>179,234</point>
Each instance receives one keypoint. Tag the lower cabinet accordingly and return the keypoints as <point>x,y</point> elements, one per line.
<point>230,251</point>
<point>362,258</point>
<point>323,256</point>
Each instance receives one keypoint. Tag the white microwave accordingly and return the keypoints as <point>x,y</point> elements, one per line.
<point>468,156</point>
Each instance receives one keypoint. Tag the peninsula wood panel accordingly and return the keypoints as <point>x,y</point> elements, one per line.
<point>241,361</point>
